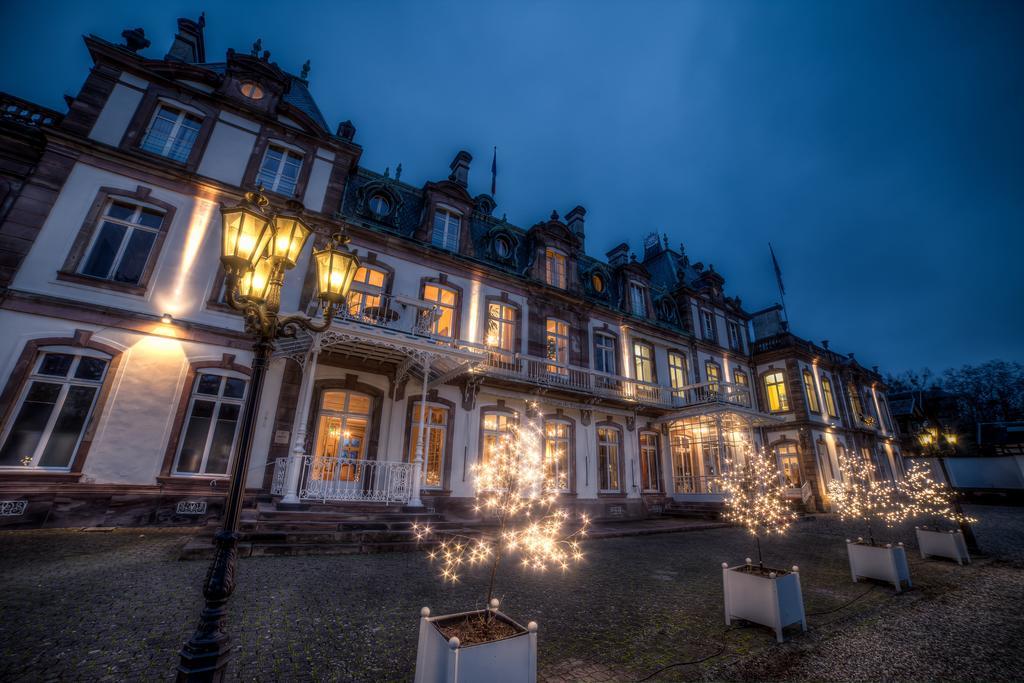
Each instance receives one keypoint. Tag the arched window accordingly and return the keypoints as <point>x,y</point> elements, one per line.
<point>342,427</point>
<point>53,408</point>
<point>211,423</point>
<point>364,298</point>
<point>554,267</point>
<point>380,205</point>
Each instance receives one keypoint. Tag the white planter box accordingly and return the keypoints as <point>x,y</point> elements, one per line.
<point>882,562</point>
<point>949,544</point>
<point>509,660</point>
<point>774,602</point>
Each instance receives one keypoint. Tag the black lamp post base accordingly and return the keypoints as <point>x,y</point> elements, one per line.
<point>205,656</point>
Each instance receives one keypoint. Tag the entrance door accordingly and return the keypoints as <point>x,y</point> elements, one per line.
<point>342,423</point>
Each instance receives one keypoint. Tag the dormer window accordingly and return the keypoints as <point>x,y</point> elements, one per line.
<point>446,230</point>
<point>380,205</point>
<point>555,268</point>
<point>597,283</point>
<point>637,299</point>
<point>172,132</point>
<point>502,247</point>
<point>251,89</point>
<point>279,171</point>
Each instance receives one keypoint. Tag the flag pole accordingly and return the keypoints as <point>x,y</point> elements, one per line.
<point>494,172</point>
<point>778,281</point>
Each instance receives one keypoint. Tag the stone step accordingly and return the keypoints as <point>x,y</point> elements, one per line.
<point>201,548</point>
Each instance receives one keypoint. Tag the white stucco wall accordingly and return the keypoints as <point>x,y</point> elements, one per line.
<point>118,111</point>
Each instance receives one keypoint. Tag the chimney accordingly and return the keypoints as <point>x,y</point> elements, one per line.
<point>574,219</point>
<point>460,168</point>
<point>346,131</point>
<point>824,342</point>
<point>619,256</point>
<point>652,246</point>
<point>189,46</point>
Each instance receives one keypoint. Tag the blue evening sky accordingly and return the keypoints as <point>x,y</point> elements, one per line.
<point>878,145</point>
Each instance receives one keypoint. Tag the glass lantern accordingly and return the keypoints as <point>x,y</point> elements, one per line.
<point>245,233</point>
<point>254,284</point>
<point>336,267</point>
<point>290,235</point>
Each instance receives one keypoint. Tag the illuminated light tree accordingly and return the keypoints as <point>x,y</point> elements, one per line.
<point>858,494</point>
<point>754,497</point>
<point>922,496</point>
<point>516,487</point>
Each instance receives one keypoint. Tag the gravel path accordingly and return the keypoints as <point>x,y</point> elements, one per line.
<point>118,605</point>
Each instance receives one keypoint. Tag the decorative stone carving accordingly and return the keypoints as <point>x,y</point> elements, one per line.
<point>586,417</point>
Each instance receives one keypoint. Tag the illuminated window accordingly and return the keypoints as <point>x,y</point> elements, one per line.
<point>558,346</point>
<point>446,230</point>
<point>597,282</point>
<point>436,430</point>
<point>707,319</point>
<point>342,425</point>
<point>442,313</point>
<point>604,353</point>
<point>208,435</point>
<point>742,382</point>
<point>608,448</point>
<point>53,409</point>
<point>365,296</point>
<point>501,327</point>
<point>650,467</point>
<point>172,133</point>
<point>496,429</point>
<point>789,465</point>
<point>122,244</point>
<point>643,362</point>
<point>775,388</point>
<point>279,171</point>
<point>678,373</point>
<point>830,399</point>
<point>555,268</point>
<point>637,299</point>
<point>251,90</point>
<point>713,375</point>
<point>557,439</point>
<point>811,392</point>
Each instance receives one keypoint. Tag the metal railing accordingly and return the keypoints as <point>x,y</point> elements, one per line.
<point>712,392</point>
<point>393,312</point>
<point>324,479</point>
<point>694,483</point>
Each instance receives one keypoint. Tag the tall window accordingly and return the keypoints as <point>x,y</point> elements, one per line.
<point>208,434</point>
<point>442,313</point>
<point>855,402</point>
<point>558,346</point>
<point>879,460</point>
<point>557,437</point>
<point>714,376</point>
<point>811,392</point>
<point>446,230</point>
<point>555,268</point>
<point>122,244</point>
<point>735,336</point>
<point>650,467</point>
<point>643,362</point>
<point>279,171</point>
<point>364,298</point>
<point>436,433</point>
<point>789,465</point>
<point>678,374</point>
<point>496,428</point>
<point>54,408</point>
<point>830,399</point>
<point>775,388</point>
<point>171,133</point>
<point>604,353</point>
<point>342,425</point>
<point>608,448</point>
<point>707,319</point>
<point>637,299</point>
<point>501,327</point>
<point>742,382</point>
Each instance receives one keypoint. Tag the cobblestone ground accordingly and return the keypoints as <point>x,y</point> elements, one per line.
<point>118,605</point>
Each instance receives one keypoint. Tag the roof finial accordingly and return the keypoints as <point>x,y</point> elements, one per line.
<point>304,75</point>
<point>387,172</point>
<point>256,47</point>
<point>398,172</point>
<point>554,215</point>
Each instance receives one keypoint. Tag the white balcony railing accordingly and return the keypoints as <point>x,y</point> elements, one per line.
<point>693,483</point>
<point>346,479</point>
<point>393,312</point>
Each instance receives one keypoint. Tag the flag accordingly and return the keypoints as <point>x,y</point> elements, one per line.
<point>494,172</point>
<point>778,271</point>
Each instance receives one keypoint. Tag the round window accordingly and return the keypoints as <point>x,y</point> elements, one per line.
<point>597,282</point>
<point>252,90</point>
<point>502,247</point>
<point>380,205</point>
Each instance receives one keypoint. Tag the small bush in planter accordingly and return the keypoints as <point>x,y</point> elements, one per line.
<point>516,489</point>
<point>755,500</point>
<point>923,497</point>
<point>860,495</point>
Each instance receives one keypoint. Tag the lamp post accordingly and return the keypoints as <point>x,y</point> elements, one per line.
<point>931,439</point>
<point>257,249</point>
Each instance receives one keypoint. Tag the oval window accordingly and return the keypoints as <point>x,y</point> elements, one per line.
<point>251,90</point>
<point>597,282</point>
<point>502,247</point>
<point>380,205</point>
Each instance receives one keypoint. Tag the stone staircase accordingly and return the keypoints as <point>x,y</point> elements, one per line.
<point>329,530</point>
<point>693,509</point>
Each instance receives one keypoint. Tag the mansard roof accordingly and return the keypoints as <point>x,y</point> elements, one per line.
<point>297,94</point>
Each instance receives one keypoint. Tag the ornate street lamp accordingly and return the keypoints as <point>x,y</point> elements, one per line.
<point>256,250</point>
<point>931,439</point>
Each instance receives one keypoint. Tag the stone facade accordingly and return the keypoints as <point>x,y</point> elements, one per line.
<point>123,371</point>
